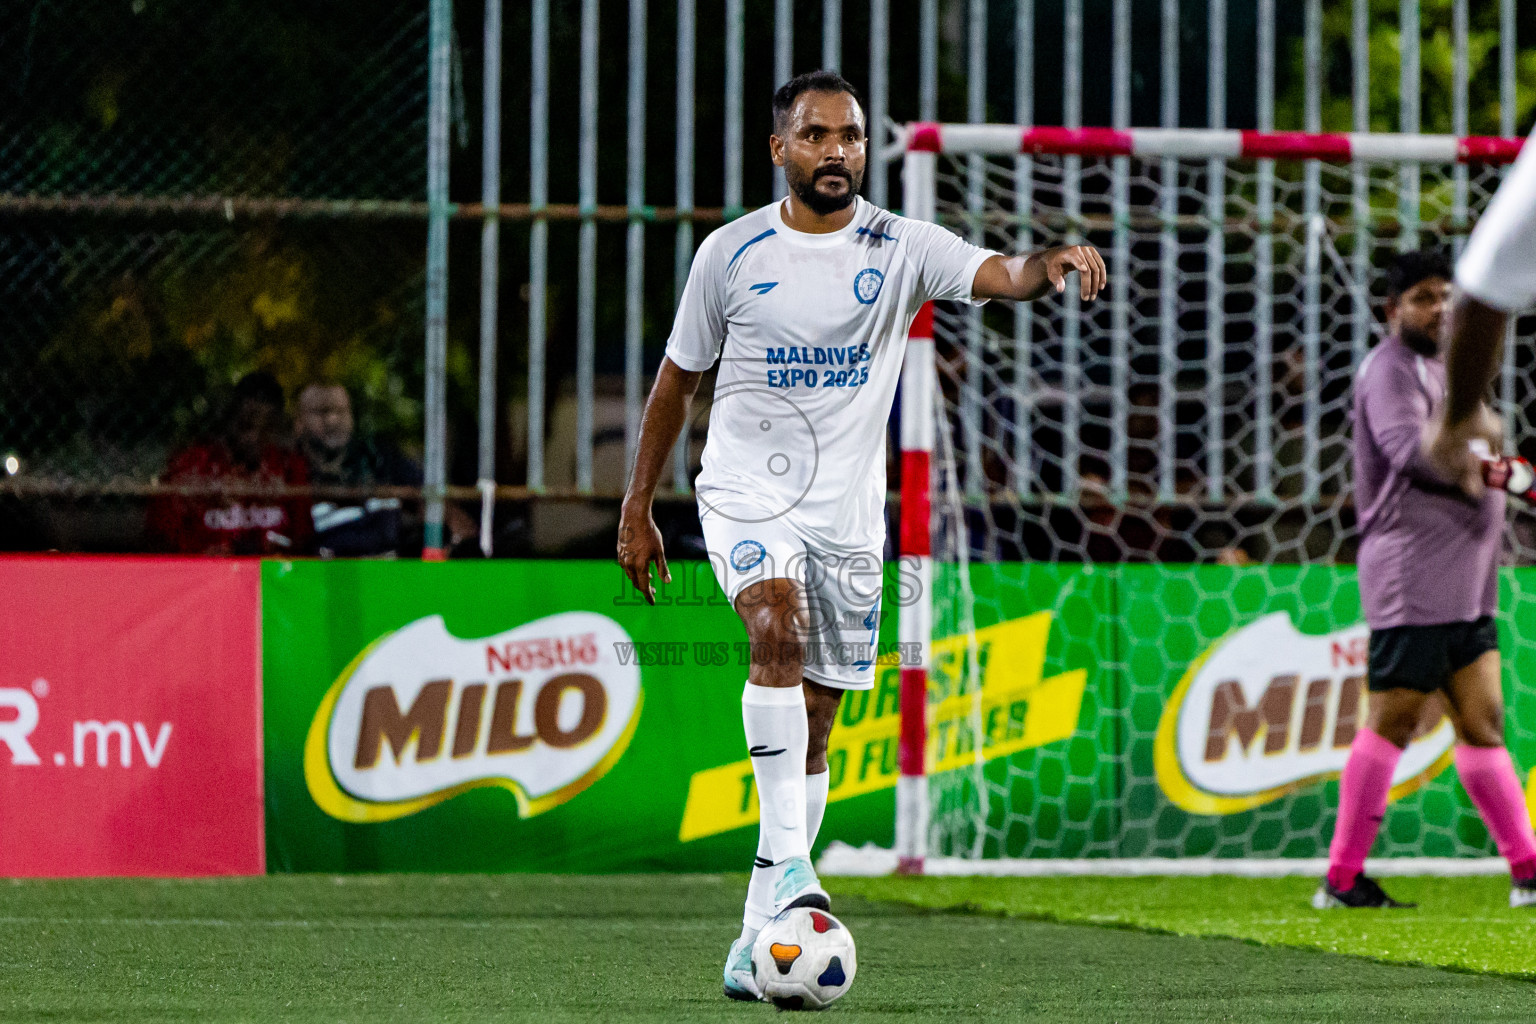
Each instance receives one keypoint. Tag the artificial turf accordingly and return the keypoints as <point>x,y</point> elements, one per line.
<point>1460,923</point>
<point>649,948</point>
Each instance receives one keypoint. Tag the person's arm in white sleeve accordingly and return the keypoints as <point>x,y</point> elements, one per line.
<point>1498,266</point>
<point>952,269</point>
<point>698,330</point>
<point>1029,277</point>
<point>1496,276</point>
<point>697,334</point>
<point>946,263</point>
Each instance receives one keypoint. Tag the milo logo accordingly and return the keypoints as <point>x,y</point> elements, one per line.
<point>543,710</point>
<point>1268,710</point>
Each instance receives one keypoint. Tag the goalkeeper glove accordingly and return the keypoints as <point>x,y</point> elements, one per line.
<point>1514,475</point>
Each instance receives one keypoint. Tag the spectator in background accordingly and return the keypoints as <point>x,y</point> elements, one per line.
<point>247,452</point>
<point>357,527</point>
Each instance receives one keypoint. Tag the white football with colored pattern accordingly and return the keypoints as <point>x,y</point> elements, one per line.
<point>804,959</point>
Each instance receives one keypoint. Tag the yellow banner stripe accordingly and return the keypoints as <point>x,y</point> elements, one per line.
<point>1013,709</point>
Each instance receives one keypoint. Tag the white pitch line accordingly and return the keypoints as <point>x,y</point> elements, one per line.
<point>872,861</point>
<point>209,922</point>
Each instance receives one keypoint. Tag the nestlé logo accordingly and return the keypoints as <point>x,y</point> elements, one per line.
<point>543,710</point>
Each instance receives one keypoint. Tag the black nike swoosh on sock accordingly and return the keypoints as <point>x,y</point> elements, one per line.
<point>761,862</point>
<point>763,751</point>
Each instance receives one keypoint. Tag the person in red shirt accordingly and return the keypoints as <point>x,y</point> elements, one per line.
<point>242,521</point>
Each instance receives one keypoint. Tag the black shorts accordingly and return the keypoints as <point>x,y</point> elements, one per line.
<point>1423,657</point>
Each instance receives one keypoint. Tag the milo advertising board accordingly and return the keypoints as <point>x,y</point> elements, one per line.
<point>564,716</point>
<point>1263,689</point>
<point>489,716</point>
<point>538,716</point>
<point>1267,711</point>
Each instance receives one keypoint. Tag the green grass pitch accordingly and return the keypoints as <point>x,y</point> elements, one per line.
<point>648,948</point>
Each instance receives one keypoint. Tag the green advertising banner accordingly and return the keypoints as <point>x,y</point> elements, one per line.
<point>496,715</point>
<point>1055,797</point>
<point>539,716</point>
<point>1260,680</point>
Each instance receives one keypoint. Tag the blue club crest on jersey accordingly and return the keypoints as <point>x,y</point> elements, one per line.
<point>746,554</point>
<point>866,285</point>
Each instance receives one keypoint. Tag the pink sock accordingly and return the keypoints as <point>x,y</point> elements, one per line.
<point>1488,776</point>
<point>1363,792</point>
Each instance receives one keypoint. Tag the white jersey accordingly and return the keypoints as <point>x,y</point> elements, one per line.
<point>813,329</point>
<point>1498,266</point>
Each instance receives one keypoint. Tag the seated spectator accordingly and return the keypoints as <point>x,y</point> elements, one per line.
<point>246,453</point>
<point>359,527</point>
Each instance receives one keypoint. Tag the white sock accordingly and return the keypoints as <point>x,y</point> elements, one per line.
<point>760,887</point>
<point>759,906</point>
<point>777,733</point>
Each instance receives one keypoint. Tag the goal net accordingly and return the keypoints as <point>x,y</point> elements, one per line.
<point>1141,624</point>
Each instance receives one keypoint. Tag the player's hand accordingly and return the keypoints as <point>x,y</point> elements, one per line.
<point>639,546</point>
<point>1084,259</point>
<point>1452,450</point>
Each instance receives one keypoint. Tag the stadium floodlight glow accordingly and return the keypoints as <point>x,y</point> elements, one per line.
<point>1047,720</point>
<point>12,465</point>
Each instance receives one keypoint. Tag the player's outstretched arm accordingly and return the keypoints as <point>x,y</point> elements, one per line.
<point>665,412</point>
<point>1029,277</point>
<point>1475,345</point>
<point>1473,352</point>
<point>1495,276</point>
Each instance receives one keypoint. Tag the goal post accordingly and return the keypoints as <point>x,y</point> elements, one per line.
<point>1128,522</point>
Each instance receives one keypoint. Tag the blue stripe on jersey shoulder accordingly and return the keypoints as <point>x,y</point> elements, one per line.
<point>749,244</point>
<point>876,236</point>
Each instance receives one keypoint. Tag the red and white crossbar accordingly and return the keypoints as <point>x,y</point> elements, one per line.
<point>1191,143</point>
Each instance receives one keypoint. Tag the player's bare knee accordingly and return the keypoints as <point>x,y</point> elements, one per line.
<point>771,611</point>
<point>764,629</point>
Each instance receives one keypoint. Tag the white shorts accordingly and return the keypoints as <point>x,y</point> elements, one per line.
<point>842,588</point>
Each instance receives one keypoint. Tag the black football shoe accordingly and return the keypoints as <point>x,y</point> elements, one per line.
<point>1522,893</point>
<point>1364,893</point>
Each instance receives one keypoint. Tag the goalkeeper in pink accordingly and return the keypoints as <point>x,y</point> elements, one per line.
<point>1428,569</point>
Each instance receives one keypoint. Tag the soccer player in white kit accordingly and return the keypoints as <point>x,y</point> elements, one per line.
<point>806,303</point>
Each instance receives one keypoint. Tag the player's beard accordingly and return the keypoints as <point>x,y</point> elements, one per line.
<point>804,188</point>
<point>1422,342</point>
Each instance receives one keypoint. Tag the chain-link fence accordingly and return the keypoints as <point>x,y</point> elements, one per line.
<point>191,193</point>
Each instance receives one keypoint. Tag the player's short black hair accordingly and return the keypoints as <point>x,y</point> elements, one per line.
<point>1409,268</point>
<point>260,386</point>
<point>812,81</point>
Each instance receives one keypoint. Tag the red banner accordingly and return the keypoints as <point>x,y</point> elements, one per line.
<point>130,717</point>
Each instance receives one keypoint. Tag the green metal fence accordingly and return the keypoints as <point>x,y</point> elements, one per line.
<point>189,192</point>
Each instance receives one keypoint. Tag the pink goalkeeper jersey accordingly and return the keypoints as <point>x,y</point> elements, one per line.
<point>1428,553</point>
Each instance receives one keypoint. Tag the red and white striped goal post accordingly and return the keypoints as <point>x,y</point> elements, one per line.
<point>924,141</point>
<point>1193,143</point>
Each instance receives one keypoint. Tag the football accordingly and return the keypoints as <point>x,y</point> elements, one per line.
<point>804,959</point>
